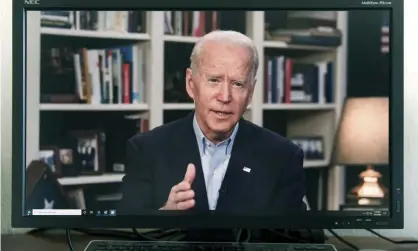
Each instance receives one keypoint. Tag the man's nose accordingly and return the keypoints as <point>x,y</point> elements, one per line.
<point>224,94</point>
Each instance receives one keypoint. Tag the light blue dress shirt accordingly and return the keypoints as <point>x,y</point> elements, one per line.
<point>215,159</point>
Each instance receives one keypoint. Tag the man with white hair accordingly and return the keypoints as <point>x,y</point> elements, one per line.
<point>213,159</point>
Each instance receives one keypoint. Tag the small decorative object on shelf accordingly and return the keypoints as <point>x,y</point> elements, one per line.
<point>89,149</point>
<point>49,155</point>
<point>118,167</point>
<point>60,160</point>
<point>312,146</point>
<point>267,35</point>
<point>66,162</point>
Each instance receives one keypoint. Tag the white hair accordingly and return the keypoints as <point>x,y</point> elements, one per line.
<point>226,36</point>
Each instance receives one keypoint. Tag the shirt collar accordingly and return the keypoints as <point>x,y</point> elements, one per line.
<point>202,140</point>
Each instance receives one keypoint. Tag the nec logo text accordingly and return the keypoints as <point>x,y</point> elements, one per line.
<point>32,1</point>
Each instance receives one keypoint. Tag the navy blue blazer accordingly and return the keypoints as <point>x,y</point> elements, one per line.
<point>157,160</point>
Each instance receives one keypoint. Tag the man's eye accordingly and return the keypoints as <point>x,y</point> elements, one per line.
<point>213,80</point>
<point>239,84</point>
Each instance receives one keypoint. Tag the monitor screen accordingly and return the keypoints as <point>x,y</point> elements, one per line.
<point>221,118</point>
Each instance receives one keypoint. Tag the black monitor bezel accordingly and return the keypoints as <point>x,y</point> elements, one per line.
<point>324,220</point>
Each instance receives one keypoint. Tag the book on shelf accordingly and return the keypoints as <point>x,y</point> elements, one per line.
<point>121,21</point>
<point>190,23</point>
<point>286,81</point>
<point>110,76</point>
<point>58,19</point>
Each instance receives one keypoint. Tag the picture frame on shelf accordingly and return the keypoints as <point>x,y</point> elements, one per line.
<point>89,149</point>
<point>66,161</point>
<point>312,146</point>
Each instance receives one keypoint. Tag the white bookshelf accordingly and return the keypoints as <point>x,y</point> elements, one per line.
<point>180,39</point>
<point>91,179</point>
<point>180,106</point>
<point>283,45</point>
<point>300,107</point>
<point>319,119</point>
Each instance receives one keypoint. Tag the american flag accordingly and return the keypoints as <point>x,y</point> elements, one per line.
<point>384,34</point>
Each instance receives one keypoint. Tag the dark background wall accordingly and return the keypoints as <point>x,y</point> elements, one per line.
<point>368,68</point>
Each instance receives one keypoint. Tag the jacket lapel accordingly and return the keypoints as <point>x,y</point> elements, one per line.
<point>188,152</point>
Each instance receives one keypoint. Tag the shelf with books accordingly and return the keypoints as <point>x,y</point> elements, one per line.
<point>283,45</point>
<point>181,39</point>
<point>298,106</point>
<point>94,34</point>
<point>300,81</point>
<point>94,107</point>
<point>91,179</point>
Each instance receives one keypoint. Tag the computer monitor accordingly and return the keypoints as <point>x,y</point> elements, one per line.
<point>227,118</point>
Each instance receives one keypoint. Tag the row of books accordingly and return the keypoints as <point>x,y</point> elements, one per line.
<point>318,36</point>
<point>121,21</point>
<point>109,76</point>
<point>286,81</point>
<point>190,23</point>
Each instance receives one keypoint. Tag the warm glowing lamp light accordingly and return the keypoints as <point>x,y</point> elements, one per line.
<point>363,139</point>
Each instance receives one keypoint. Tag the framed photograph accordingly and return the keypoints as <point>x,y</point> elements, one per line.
<point>312,146</point>
<point>67,163</point>
<point>50,156</point>
<point>89,149</point>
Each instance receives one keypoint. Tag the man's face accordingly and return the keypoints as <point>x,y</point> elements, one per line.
<point>221,87</point>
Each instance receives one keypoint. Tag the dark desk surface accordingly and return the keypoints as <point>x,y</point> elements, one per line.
<point>58,242</point>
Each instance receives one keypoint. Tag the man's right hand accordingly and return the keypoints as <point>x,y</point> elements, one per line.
<point>181,196</point>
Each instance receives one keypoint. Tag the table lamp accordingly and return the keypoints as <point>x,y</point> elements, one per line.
<point>363,139</point>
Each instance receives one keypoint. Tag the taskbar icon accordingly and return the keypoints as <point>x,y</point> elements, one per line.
<point>105,212</point>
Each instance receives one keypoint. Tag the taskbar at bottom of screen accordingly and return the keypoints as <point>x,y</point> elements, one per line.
<point>112,212</point>
<point>71,212</point>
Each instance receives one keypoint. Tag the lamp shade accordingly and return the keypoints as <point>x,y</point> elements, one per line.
<point>363,133</point>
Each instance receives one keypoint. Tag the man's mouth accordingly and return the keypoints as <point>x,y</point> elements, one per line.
<point>222,113</point>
